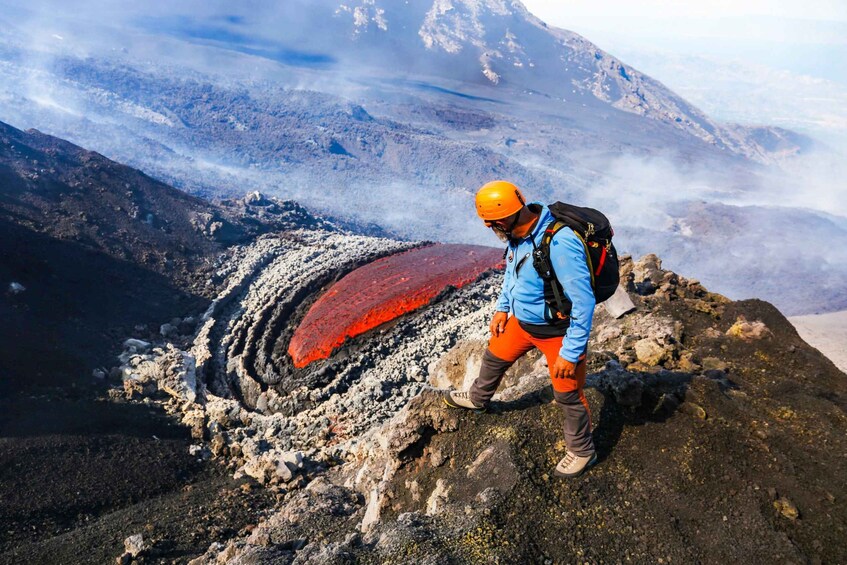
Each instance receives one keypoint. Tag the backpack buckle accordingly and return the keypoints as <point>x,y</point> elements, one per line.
<point>589,231</point>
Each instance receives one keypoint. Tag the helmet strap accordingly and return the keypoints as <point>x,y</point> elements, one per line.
<point>514,222</point>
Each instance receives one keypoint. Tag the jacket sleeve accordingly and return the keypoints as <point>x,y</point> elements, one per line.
<point>504,301</point>
<point>567,254</point>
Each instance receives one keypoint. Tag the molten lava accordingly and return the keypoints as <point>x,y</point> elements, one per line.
<point>383,290</point>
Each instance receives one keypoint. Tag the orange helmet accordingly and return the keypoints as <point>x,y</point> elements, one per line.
<point>498,199</point>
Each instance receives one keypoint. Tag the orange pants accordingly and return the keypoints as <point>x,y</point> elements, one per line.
<point>514,342</point>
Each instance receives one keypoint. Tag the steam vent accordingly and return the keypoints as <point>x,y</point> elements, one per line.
<point>384,290</point>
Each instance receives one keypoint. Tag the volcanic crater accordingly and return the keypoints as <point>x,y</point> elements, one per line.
<point>721,434</point>
<point>325,296</point>
<point>363,451</point>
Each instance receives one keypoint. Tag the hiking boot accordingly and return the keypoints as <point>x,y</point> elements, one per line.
<point>573,465</point>
<point>455,399</point>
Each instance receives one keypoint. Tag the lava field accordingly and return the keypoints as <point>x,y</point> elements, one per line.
<point>384,290</point>
<point>237,371</point>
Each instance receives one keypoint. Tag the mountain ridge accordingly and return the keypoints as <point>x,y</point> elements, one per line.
<point>481,42</point>
<point>216,110</point>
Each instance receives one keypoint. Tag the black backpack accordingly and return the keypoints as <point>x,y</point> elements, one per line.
<point>595,232</point>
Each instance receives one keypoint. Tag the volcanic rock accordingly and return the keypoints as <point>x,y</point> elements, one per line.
<point>437,501</point>
<point>136,345</point>
<point>135,545</point>
<point>747,331</point>
<point>786,508</point>
<point>649,352</point>
<point>168,330</point>
<point>693,409</point>
<point>16,288</point>
<point>626,388</point>
<point>647,274</point>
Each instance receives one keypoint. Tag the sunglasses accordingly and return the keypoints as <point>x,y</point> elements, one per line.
<point>505,224</point>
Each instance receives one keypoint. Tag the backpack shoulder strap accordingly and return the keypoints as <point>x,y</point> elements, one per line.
<point>544,249</point>
<point>552,229</point>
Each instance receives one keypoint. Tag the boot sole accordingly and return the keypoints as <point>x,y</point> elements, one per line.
<point>451,405</point>
<point>591,463</point>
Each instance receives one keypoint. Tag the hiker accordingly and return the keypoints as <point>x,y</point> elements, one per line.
<point>524,317</point>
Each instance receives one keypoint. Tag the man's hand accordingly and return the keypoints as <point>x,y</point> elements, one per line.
<point>498,323</point>
<point>563,369</point>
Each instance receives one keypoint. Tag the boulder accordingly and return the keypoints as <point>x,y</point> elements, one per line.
<point>437,501</point>
<point>199,451</point>
<point>693,409</point>
<point>195,419</point>
<point>372,512</point>
<point>284,471</point>
<point>218,445</point>
<point>647,274</point>
<point>135,545</point>
<point>649,352</point>
<point>137,345</point>
<point>16,288</point>
<point>619,304</point>
<point>256,198</point>
<point>608,333</point>
<point>178,375</point>
<point>294,459</point>
<point>748,331</point>
<point>786,508</point>
<point>626,388</point>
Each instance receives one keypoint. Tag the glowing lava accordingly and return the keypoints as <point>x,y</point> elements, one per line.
<point>383,290</point>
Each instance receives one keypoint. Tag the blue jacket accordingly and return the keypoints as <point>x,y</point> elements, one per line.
<point>523,290</point>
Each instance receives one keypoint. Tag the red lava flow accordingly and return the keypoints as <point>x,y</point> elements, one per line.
<point>383,290</point>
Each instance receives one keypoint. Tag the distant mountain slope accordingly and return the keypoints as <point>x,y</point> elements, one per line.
<point>827,333</point>
<point>383,114</point>
<point>494,42</point>
<point>67,193</point>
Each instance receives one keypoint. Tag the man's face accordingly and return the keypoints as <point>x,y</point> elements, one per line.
<point>502,228</point>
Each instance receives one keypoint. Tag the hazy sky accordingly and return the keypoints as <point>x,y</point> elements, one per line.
<point>794,35</point>
<point>749,61</point>
<point>560,12</point>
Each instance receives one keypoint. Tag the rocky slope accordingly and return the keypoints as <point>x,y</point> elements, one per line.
<point>90,252</point>
<point>79,228</point>
<point>720,431</point>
